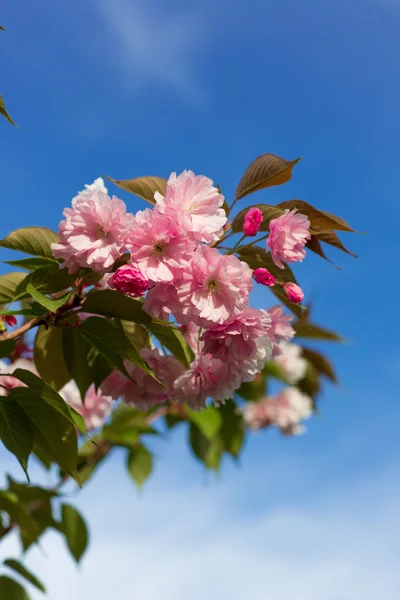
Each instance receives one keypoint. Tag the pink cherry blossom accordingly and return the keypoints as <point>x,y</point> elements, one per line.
<point>129,280</point>
<point>162,301</point>
<point>159,245</point>
<point>264,277</point>
<point>252,221</point>
<point>144,391</point>
<point>8,382</point>
<point>286,412</point>
<point>214,287</point>
<point>293,292</point>
<point>93,233</point>
<point>287,237</point>
<point>96,407</point>
<point>291,361</point>
<point>280,324</point>
<point>90,189</point>
<point>198,203</point>
<point>207,377</point>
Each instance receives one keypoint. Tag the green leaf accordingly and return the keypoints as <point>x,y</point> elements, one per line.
<point>321,364</point>
<point>232,430</point>
<point>75,352</point>
<point>112,343</point>
<point>47,280</point>
<point>19,568</point>
<point>53,433</point>
<point>16,431</point>
<point>136,333</point>
<point>174,341</point>
<point>273,369</point>
<point>8,285</point>
<point>208,420</point>
<point>207,451</point>
<point>110,303</point>
<point>75,531</point>
<point>49,395</point>
<point>305,329</point>
<point>256,257</point>
<point>52,305</point>
<point>320,220</point>
<point>101,369</point>
<point>127,424</point>
<point>31,240</point>
<point>9,502</point>
<point>10,589</point>
<point>49,358</point>
<point>144,187</point>
<point>140,464</point>
<point>2,28</point>
<point>3,111</point>
<point>6,348</point>
<point>253,390</point>
<point>265,171</point>
<point>32,263</point>
<point>269,212</point>
<point>310,383</point>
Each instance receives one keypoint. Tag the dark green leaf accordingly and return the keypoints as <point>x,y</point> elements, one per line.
<point>3,111</point>
<point>9,503</point>
<point>32,263</point>
<point>16,431</point>
<point>31,240</point>
<point>140,464</point>
<point>75,352</point>
<point>174,341</point>
<point>53,433</point>
<point>19,568</point>
<point>110,303</point>
<point>144,187</point>
<point>8,285</point>
<point>320,220</point>
<point>320,363</point>
<point>232,430</point>
<point>305,329</point>
<point>101,369</point>
<point>269,212</point>
<point>206,450</point>
<point>49,358</point>
<point>136,334</point>
<point>47,280</point>
<point>112,343</point>
<point>208,420</point>
<point>253,390</point>
<point>52,305</point>
<point>75,531</point>
<point>10,589</point>
<point>265,171</point>
<point>6,348</point>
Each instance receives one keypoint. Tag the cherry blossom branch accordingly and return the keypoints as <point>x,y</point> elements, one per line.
<point>12,335</point>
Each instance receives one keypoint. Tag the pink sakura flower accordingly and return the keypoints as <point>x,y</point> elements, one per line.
<point>264,277</point>
<point>191,334</point>
<point>162,301</point>
<point>287,237</point>
<point>286,412</point>
<point>214,287</point>
<point>129,280</point>
<point>207,377</point>
<point>291,361</point>
<point>198,202</point>
<point>96,407</point>
<point>144,391</point>
<point>280,324</point>
<point>159,245</point>
<point>293,292</point>
<point>93,233</point>
<point>90,189</point>
<point>8,382</point>
<point>252,221</point>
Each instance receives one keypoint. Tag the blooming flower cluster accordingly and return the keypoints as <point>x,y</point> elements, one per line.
<point>176,266</point>
<point>285,411</point>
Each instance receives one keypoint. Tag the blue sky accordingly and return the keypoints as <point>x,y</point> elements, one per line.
<point>139,87</point>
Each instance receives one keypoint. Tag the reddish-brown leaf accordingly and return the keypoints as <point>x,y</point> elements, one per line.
<point>265,171</point>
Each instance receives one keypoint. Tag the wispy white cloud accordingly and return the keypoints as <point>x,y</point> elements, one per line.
<point>153,43</point>
<point>181,540</point>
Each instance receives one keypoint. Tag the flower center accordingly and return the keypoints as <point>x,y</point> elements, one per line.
<point>212,285</point>
<point>158,248</point>
<point>100,232</point>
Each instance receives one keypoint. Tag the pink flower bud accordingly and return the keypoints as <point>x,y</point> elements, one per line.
<point>129,280</point>
<point>264,277</point>
<point>252,221</point>
<point>11,320</point>
<point>293,292</point>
